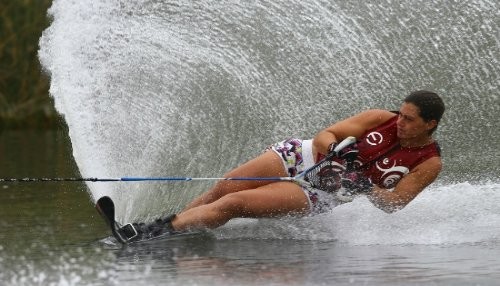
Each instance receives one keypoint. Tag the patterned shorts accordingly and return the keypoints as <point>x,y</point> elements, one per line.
<point>290,152</point>
<point>297,157</point>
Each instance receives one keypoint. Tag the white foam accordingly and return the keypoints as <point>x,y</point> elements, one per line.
<point>167,89</point>
<point>450,214</point>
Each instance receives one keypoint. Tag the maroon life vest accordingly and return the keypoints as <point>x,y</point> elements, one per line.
<point>383,160</point>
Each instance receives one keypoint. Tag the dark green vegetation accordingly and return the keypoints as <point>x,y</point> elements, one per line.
<point>24,99</point>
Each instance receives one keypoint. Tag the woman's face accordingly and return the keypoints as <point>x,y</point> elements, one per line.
<point>410,124</point>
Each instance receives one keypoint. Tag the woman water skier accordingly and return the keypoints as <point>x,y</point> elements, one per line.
<point>394,159</point>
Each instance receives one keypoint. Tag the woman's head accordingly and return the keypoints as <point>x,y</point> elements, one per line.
<point>430,106</point>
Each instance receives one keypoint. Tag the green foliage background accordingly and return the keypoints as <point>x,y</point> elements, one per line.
<point>24,99</point>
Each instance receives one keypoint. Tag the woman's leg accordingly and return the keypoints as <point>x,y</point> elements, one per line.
<point>268,164</point>
<point>271,200</point>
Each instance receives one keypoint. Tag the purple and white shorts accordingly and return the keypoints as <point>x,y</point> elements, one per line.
<point>297,156</point>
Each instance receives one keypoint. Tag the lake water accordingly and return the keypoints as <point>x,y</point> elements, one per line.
<point>51,235</point>
<point>176,88</point>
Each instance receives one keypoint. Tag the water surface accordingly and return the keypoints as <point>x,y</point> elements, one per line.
<point>51,235</point>
<point>176,88</point>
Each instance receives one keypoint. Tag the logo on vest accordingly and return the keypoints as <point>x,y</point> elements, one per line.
<point>391,176</point>
<point>374,138</point>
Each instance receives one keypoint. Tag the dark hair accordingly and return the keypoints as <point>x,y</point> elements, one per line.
<point>430,105</point>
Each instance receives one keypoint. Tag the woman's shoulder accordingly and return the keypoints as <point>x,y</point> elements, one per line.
<point>375,117</point>
<point>382,114</point>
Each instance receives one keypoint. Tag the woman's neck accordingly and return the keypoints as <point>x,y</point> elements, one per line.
<point>416,142</point>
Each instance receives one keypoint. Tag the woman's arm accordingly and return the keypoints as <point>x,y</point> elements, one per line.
<point>355,126</point>
<point>408,187</point>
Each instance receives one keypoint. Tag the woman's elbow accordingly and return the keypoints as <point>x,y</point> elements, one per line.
<point>388,205</point>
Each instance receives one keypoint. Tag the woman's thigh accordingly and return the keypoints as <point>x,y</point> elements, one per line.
<point>268,164</point>
<point>276,199</point>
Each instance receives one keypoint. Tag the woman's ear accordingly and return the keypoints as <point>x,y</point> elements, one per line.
<point>431,124</point>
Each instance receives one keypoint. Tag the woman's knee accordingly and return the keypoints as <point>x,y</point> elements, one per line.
<point>231,204</point>
<point>223,188</point>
